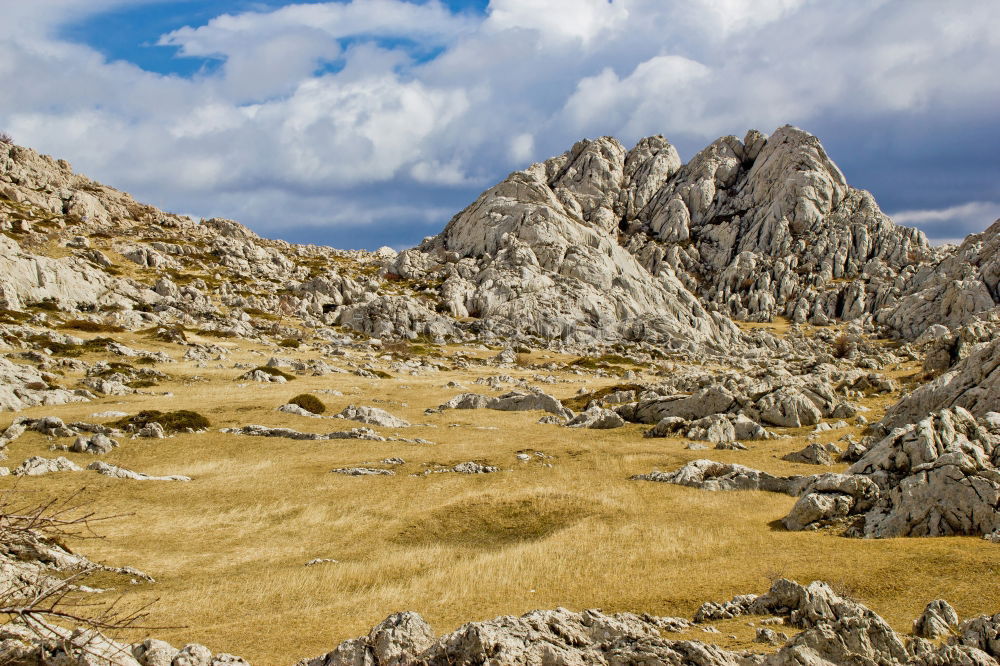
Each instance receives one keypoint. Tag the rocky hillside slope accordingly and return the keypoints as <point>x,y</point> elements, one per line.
<point>599,244</point>
<point>625,265</point>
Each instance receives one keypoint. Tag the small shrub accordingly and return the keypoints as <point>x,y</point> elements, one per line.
<point>308,402</point>
<point>97,344</point>
<point>166,333</point>
<point>56,348</point>
<point>399,348</point>
<point>49,304</point>
<point>841,346</point>
<point>115,367</point>
<point>290,343</point>
<point>91,326</point>
<point>274,372</point>
<point>13,317</point>
<point>171,421</point>
<point>6,139</point>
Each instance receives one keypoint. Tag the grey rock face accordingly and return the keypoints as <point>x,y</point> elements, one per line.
<point>515,401</point>
<point>94,444</point>
<point>372,416</point>
<point>834,631</point>
<point>37,465</point>
<point>265,431</point>
<point>973,384</point>
<point>814,454</point>
<point>788,407</point>
<point>938,477</point>
<point>712,400</point>
<point>538,637</point>
<point>597,418</point>
<point>716,476</point>
<point>603,242</point>
<point>397,317</point>
<point>474,468</point>
<point>937,620</point>
<point>363,471</point>
<point>121,473</point>
<point>830,497</point>
<point>22,386</point>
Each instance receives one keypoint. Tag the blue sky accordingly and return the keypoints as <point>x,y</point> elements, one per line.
<point>363,123</point>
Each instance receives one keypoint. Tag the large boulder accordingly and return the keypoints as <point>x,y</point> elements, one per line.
<point>938,477</point>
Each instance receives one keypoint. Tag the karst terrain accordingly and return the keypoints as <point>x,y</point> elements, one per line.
<point>622,409</point>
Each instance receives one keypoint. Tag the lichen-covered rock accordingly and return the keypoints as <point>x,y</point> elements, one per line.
<point>372,416</point>
<point>938,477</point>
<point>716,476</point>
<point>37,465</point>
<point>937,620</point>
<point>973,384</point>
<point>597,418</point>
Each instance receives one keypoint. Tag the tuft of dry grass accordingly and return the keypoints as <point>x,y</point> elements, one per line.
<point>228,549</point>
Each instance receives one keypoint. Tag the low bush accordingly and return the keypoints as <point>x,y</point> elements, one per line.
<point>91,326</point>
<point>308,402</point>
<point>274,372</point>
<point>177,421</point>
<point>290,343</point>
<point>841,346</point>
<point>49,304</point>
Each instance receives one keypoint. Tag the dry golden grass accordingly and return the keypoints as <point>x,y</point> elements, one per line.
<point>228,549</point>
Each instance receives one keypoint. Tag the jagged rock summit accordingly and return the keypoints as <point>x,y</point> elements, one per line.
<point>605,242</point>
<point>600,244</point>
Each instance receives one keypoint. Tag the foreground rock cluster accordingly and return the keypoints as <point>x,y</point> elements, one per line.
<point>828,630</point>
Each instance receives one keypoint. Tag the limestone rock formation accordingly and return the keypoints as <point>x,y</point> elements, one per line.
<point>515,401</point>
<point>972,384</point>
<point>937,477</point>
<point>716,476</point>
<point>117,472</point>
<point>372,416</point>
<point>37,465</point>
<point>834,631</point>
<point>596,418</point>
<point>937,620</point>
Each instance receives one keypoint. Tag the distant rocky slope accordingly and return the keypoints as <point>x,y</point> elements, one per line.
<point>599,244</point>
<point>596,240</point>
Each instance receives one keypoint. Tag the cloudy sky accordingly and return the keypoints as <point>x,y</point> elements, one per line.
<point>362,123</point>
